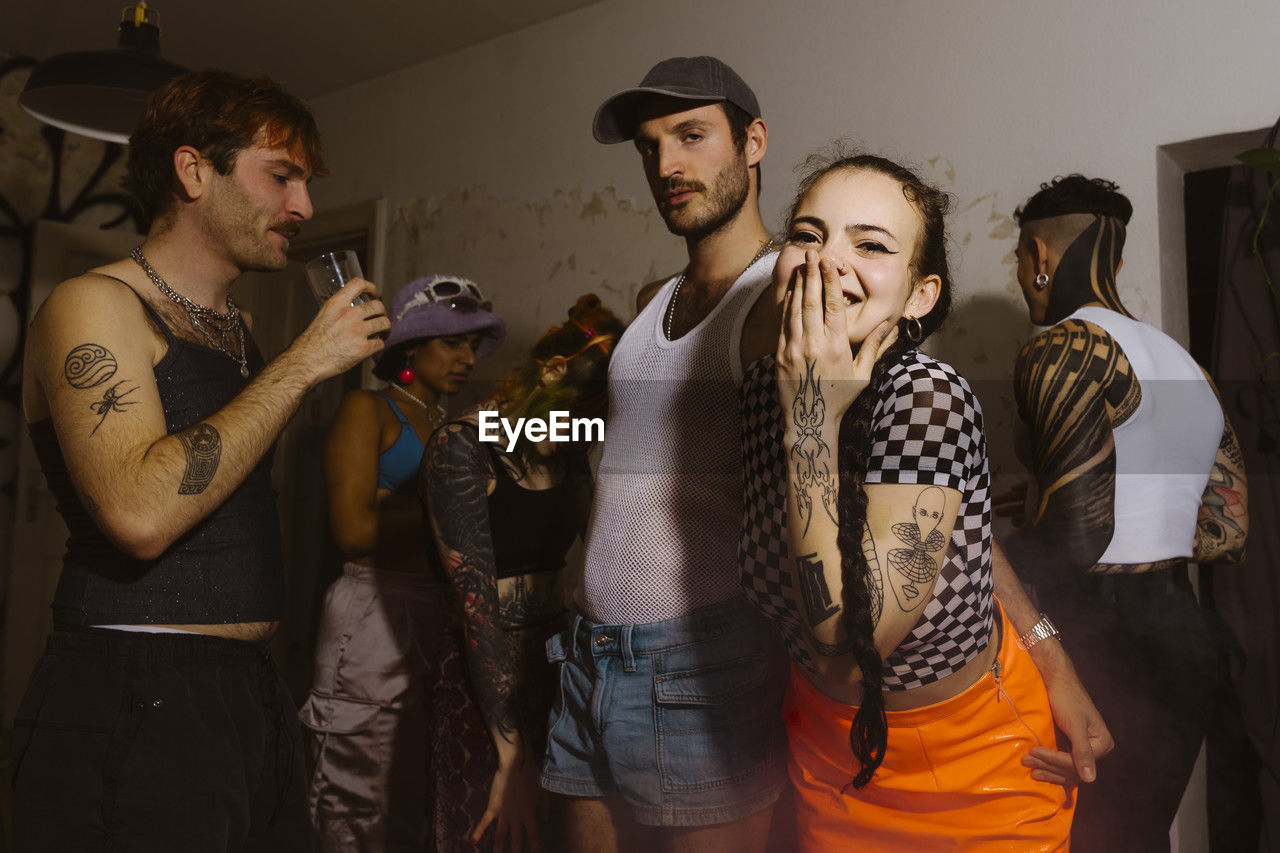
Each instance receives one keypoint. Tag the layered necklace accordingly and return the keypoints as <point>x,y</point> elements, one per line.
<point>675,293</point>
<point>220,330</point>
<point>439,413</point>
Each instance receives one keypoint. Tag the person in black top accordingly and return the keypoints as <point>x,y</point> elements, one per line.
<point>503,519</point>
<point>155,719</point>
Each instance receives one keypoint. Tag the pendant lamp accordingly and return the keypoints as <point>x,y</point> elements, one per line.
<point>101,93</point>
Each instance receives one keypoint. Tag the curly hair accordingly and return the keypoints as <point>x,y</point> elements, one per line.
<point>219,114</point>
<point>869,735</point>
<point>1075,193</point>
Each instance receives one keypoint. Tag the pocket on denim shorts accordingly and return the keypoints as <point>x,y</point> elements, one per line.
<point>714,727</point>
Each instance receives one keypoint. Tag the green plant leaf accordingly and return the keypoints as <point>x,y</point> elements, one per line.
<point>1262,159</point>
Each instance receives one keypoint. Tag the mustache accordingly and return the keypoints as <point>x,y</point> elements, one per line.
<point>288,229</point>
<point>670,188</point>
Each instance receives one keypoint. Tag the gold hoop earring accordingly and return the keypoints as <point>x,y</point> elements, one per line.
<point>915,333</point>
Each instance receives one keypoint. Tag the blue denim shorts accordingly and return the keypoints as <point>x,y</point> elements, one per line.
<point>682,718</point>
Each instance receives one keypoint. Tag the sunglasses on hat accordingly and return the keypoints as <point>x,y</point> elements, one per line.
<point>455,294</point>
<point>461,296</point>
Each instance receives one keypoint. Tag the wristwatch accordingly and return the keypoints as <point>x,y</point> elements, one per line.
<point>1042,630</point>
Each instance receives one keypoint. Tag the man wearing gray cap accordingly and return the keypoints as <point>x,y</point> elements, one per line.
<point>668,733</point>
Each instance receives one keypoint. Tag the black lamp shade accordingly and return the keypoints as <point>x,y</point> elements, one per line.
<point>98,93</point>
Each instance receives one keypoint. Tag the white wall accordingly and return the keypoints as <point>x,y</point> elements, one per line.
<point>487,158</point>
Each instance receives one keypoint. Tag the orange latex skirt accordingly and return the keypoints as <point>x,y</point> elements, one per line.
<point>952,778</point>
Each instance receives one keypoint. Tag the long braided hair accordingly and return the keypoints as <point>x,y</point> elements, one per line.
<point>863,598</point>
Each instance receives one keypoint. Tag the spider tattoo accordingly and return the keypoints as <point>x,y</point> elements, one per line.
<point>112,401</point>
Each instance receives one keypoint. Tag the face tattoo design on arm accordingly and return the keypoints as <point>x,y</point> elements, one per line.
<point>916,563</point>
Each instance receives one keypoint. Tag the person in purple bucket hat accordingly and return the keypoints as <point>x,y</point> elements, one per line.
<point>377,644</point>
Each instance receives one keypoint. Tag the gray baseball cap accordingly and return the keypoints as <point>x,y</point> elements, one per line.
<point>694,78</point>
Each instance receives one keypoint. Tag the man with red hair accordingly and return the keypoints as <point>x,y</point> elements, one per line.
<point>156,719</point>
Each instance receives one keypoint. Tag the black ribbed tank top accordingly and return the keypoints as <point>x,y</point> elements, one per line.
<point>532,528</point>
<point>227,568</point>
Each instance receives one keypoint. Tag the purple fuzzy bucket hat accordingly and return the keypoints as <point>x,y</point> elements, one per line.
<point>437,306</point>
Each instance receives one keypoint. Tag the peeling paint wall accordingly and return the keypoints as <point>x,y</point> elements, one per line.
<point>487,159</point>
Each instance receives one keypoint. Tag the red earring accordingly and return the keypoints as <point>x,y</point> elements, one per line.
<point>406,376</point>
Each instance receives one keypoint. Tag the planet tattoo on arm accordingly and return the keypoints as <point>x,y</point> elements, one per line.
<point>88,366</point>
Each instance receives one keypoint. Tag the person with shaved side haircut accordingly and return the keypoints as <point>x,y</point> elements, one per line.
<point>1137,472</point>
<point>156,719</point>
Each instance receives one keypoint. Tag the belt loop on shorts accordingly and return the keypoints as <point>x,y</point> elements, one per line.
<point>628,655</point>
<point>573,637</point>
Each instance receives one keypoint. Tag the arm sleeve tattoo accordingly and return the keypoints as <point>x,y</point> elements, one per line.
<point>458,471</point>
<point>1220,535</point>
<point>1069,383</point>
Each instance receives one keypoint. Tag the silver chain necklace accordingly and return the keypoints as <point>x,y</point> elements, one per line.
<point>216,328</point>
<point>440,412</point>
<point>675,293</point>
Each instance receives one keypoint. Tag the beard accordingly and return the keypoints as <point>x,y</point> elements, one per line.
<point>242,229</point>
<point>723,201</point>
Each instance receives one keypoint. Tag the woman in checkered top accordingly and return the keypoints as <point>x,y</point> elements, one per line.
<point>911,704</point>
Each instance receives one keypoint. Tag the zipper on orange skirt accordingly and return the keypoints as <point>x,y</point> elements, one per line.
<point>1001,692</point>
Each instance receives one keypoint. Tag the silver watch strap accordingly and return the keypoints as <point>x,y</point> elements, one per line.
<point>1042,630</point>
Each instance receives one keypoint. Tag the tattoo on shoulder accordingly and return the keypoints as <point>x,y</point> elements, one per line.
<point>112,401</point>
<point>814,478</point>
<point>813,586</point>
<point>915,566</point>
<point>203,446</point>
<point>88,366</point>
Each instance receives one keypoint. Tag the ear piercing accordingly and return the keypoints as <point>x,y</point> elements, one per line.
<point>915,332</point>
<point>1042,281</point>
<point>406,376</point>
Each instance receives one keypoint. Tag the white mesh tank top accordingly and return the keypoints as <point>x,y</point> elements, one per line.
<point>663,536</point>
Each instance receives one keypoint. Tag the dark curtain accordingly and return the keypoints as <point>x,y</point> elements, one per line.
<point>1247,596</point>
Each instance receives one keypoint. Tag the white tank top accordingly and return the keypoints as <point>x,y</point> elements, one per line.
<point>667,515</point>
<point>1165,451</point>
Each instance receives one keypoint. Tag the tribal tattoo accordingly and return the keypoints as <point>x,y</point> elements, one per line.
<point>1073,386</point>
<point>812,455</point>
<point>915,567</point>
<point>203,446</point>
<point>456,476</point>
<point>88,366</point>
<point>1087,270</point>
<point>112,401</point>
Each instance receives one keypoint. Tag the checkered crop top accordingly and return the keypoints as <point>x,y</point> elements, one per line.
<point>927,429</point>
